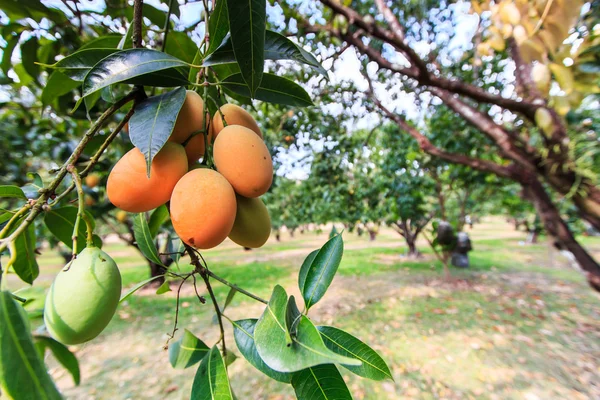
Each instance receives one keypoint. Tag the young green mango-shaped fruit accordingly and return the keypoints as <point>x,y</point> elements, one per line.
<point>252,225</point>
<point>83,297</point>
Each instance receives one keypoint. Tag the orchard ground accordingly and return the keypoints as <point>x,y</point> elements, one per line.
<point>520,324</point>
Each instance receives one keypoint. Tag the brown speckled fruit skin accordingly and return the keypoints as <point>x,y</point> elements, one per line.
<point>129,188</point>
<point>244,160</point>
<point>203,208</point>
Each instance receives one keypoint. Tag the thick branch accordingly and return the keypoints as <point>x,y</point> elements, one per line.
<point>137,23</point>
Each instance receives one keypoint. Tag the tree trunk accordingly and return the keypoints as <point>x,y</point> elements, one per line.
<point>412,246</point>
<point>463,212</point>
<point>157,270</point>
<point>292,232</point>
<point>372,235</point>
<point>278,236</point>
<point>558,229</point>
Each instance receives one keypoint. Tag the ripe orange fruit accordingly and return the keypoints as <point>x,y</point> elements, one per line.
<point>234,115</point>
<point>129,187</point>
<point>244,159</point>
<point>92,180</point>
<point>203,208</point>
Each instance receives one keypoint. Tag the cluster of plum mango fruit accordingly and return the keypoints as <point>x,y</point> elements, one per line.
<point>206,206</point>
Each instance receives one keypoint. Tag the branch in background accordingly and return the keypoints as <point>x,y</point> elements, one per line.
<point>49,191</point>
<point>428,147</point>
<point>137,23</point>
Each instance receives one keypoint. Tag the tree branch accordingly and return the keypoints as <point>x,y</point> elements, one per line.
<point>137,23</point>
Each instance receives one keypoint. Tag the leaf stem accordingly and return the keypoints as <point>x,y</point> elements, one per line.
<point>80,207</point>
<point>13,219</point>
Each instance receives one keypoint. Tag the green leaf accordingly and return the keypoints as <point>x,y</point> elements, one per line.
<point>137,287</point>
<point>14,192</point>
<point>194,71</point>
<point>61,223</point>
<point>25,265</point>
<point>343,343</point>
<point>322,269</point>
<point>153,121</point>
<point>284,353</point>
<point>61,353</point>
<point>127,65</point>
<point>22,372</point>
<point>77,65</point>
<point>305,267</point>
<point>158,217</point>
<point>7,53</point>
<point>127,39</point>
<point>144,239</point>
<point>180,45</point>
<point>32,189</point>
<point>273,89</point>
<point>187,351</point>
<point>211,381</point>
<point>218,25</point>
<point>247,21</point>
<point>58,84</point>
<point>292,317</point>
<point>164,288</point>
<point>175,247</point>
<point>228,299</point>
<point>322,382</point>
<point>243,333</point>
<point>102,42</point>
<point>29,57</point>
<point>277,47</point>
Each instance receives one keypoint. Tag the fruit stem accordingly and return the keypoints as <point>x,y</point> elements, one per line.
<point>80,211</point>
<point>14,218</point>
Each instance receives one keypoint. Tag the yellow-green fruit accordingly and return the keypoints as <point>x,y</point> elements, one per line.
<point>234,115</point>
<point>83,297</point>
<point>121,216</point>
<point>252,225</point>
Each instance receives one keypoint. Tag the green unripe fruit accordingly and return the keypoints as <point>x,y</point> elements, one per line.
<point>252,225</point>
<point>83,297</point>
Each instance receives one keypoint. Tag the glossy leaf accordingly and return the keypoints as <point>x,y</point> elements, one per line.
<point>187,351</point>
<point>321,382</point>
<point>77,65</point>
<point>305,267</point>
<point>247,22</point>
<point>144,239</point>
<point>277,47</point>
<point>180,45</point>
<point>102,42</point>
<point>7,53</point>
<point>343,343</point>
<point>273,89</point>
<point>284,353</point>
<point>62,354</point>
<point>25,265</point>
<point>292,317</point>
<point>29,57</point>
<point>153,121</point>
<point>218,25</point>
<point>32,189</point>
<point>320,273</point>
<point>126,65</point>
<point>158,217</point>
<point>61,223</point>
<point>137,287</point>
<point>58,84</point>
<point>243,333</point>
<point>22,372</point>
<point>211,381</point>
<point>15,192</point>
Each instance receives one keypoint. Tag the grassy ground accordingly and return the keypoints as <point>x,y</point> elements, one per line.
<point>519,324</point>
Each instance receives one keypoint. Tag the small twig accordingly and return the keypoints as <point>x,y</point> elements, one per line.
<point>167,25</point>
<point>217,310</point>
<point>137,23</point>
<point>201,299</point>
<point>172,334</point>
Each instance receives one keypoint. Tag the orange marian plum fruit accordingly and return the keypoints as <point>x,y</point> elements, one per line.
<point>244,160</point>
<point>92,180</point>
<point>234,115</point>
<point>129,187</point>
<point>190,120</point>
<point>252,225</point>
<point>203,208</point>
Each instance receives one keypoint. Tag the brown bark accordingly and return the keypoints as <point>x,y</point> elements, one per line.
<point>558,229</point>
<point>372,235</point>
